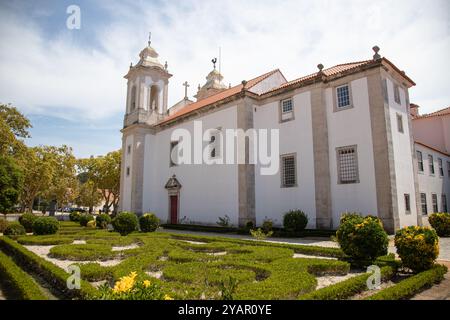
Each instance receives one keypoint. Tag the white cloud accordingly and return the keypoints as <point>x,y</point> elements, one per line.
<point>63,78</point>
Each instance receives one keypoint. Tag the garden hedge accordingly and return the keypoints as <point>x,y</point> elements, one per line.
<point>21,282</point>
<point>54,275</point>
<point>413,285</point>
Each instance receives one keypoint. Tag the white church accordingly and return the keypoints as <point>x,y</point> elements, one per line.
<point>349,141</point>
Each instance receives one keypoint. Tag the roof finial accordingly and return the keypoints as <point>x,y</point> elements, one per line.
<point>166,66</point>
<point>320,67</point>
<point>149,39</point>
<point>214,60</point>
<point>131,65</point>
<point>376,56</point>
<point>186,85</point>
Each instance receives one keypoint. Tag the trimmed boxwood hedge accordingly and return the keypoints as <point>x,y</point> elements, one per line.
<point>413,285</point>
<point>346,289</point>
<point>21,282</point>
<point>53,274</point>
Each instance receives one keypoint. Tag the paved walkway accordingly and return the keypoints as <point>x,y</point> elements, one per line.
<point>444,243</point>
<point>437,292</point>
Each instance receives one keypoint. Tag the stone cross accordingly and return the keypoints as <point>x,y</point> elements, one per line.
<point>186,85</point>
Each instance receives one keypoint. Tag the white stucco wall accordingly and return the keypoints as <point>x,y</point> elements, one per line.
<point>346,128</point>
<point>208,191</point>
<point>128,158</point>
<point>403,161</point>
<point>429,183</point>
<point>295,137</point>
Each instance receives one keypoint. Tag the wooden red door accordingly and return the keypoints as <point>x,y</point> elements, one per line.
<point>174,209</point>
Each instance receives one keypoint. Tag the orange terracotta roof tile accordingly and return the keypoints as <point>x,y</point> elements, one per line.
<point>442,112</point>
<point>218,96</point>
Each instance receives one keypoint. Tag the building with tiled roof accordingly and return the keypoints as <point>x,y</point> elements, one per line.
<point>338,140</point>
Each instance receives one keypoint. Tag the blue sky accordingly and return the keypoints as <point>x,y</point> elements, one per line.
<point>70,82</point>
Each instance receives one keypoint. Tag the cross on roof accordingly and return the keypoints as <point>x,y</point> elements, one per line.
<point>186,85</point>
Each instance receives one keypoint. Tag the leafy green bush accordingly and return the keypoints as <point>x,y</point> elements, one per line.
<point>45,225</point>
<point>441,223</point>
<point>295,220</point>
<point>411,286</point>
<point>85,218</point>
<point>363,239</point>
<point>125,223</point>
<point>75,216</point>
<point>20,281</point>
<point>3,225</point>
<point>103,220</point>
<point>259,234</point>
<point>418,247</point>
<point>267,225</point>
<point>149,222</point>
<point>27,220</point>
<point>14,229</point>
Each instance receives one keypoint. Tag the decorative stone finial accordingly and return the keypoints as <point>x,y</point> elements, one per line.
<point>131,65</point>
<point>214,61</point>
<point>199,87</point>
<point>229,85</point>
<point>244,82</point>
<point>376,56</point>
<point>165,66</point>
<point>320,67</point>
<point>149,39</point>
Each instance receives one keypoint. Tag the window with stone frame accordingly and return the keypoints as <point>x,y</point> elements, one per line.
<point>128,171</point>
<point>441,167</point>
<point>397,93</point>
<point>287,110</point>
<point>448,168</point>
<point>347,162</point>
<point>399,123</point>
<point>420,161</point>
<point>407,203</point>
<point>343,96</point>
<point>434,202</point>
<point>129,149</point>
<point>444,203</point>
<point>173,155</point>
<point>133,98</point>
<point>288,170</point>
<point>431,163</point>
<point>385,90</point>
<point>423,203</point>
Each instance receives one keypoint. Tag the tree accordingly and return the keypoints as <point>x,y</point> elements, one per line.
<point>11,182</point>
<point>13,127</point>
<point>88,195</point>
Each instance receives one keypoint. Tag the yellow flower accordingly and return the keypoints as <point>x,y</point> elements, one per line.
<point>125,283</point>
<point>146,283</point>
<point>167,297</point>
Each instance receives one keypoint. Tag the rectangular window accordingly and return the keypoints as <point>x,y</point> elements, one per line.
<point>385,91</point>
<point>287,110</point>
<point>397,93</point>
<point>441,168</point>
<point>173,155</point>
<point>407,204</point>
<point>128,171</point>
<point>343,96</point>
<point>289,171</point>
<point>423,203</point>
<point>444,203</point>
<point>420,161</point>
<point>347,161</point>
<point>129,149</point>
<point>431,163</point>
<point>214,143</point>
<point>448,168</point>
<point>400,123</point>
<point>434,202</point>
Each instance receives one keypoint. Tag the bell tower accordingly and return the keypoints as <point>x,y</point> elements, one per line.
<point>147,89</point>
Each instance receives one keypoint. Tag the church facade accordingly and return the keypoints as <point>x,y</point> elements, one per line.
<point>346,144</point>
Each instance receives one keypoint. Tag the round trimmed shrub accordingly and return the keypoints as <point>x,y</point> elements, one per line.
<point>91,224</point>
<point>125,223</point>
<point>418,247</point>
<point>14,229</point>
<point>363,239</point>
<point>3,225</point>
<point>75,216</point>
<point>441,223</point>
<point>267,226</point>
<point>45,225</point>
<point>85,218</point>
<point>27,220</point>
<point>295,220</point>
<point>103,220</point>
<point>149,222</point>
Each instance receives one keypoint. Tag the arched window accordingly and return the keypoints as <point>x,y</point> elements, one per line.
<point>133,98</point>
<point>154,95</point>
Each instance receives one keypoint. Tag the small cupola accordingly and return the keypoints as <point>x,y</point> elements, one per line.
<point>213,83</point>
